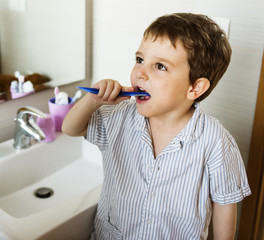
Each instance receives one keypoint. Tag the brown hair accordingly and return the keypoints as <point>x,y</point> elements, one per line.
<point>209,51</point>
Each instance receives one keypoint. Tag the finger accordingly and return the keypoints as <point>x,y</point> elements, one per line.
<point>109,89</point>
<point>116,90</point>
<point>101,85</point>
<point>128,89</point>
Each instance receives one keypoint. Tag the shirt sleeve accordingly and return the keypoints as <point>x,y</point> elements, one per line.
<point>96,131</point>
<point>228,179</point>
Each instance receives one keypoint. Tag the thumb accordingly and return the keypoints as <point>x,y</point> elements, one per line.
<point>128,89</point>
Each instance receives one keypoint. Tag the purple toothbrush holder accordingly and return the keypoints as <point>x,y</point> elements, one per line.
<point>48,127</point>
<point>58,112</point>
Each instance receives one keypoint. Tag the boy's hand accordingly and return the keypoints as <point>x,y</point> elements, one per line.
<point>77,119</point>
<point>108,92</point>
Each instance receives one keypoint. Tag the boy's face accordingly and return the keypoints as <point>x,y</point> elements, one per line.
<point>163,71</point>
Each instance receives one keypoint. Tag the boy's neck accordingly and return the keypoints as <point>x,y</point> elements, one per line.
<point>163,130</point>
<point>177,120</point>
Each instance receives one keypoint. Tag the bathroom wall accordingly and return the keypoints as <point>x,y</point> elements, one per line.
<point>118,28</point>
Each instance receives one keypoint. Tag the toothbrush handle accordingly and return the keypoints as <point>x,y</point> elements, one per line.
<point>121,94</point>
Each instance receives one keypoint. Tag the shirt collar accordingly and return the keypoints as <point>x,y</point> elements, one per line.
<point>194,128</point>
<point>189,134</point>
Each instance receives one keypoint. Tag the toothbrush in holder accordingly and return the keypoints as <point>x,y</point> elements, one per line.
<point>21,80</point>
<point>77,95</point>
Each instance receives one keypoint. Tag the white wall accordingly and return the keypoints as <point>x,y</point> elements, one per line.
<point>118,29</point>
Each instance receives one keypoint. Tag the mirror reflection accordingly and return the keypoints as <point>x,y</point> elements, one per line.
<point>42,45</point>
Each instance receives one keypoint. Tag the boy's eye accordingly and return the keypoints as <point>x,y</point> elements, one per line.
<point>139,60</point>
<point>161,67</point>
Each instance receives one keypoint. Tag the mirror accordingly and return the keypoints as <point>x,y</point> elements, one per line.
<point>44,39</point>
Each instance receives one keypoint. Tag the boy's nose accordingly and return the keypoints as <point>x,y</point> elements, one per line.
<point>141,74</point>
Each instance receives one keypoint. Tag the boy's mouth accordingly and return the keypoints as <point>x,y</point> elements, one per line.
<point>142,98</point>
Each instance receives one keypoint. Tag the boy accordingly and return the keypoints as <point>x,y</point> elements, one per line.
<point>168,167</point>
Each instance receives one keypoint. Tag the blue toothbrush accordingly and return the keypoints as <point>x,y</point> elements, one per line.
<point>121,94</point>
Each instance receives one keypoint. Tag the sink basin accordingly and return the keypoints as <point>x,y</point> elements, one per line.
<point>70,167</point>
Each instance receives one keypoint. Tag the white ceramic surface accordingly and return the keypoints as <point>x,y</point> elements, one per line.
<point>70,166</point>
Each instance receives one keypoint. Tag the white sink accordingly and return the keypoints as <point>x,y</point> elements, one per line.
<point>70,167</point>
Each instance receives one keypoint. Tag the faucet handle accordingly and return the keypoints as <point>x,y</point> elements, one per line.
<point>29,110</point>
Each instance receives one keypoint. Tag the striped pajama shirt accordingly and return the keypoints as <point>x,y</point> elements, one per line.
<point>167,197</point>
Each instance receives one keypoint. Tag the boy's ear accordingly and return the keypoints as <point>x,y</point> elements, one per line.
<point>197,89</point>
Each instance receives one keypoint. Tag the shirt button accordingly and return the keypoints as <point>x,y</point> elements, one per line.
<point>149,221</point>
<point>153,194</point>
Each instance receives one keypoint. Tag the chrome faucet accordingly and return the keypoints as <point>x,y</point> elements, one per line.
<point>26,127</point>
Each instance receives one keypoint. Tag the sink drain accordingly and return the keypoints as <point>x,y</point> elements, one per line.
<point>43,192</point>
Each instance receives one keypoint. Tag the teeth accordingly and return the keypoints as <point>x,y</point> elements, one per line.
<point>141,89</point>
